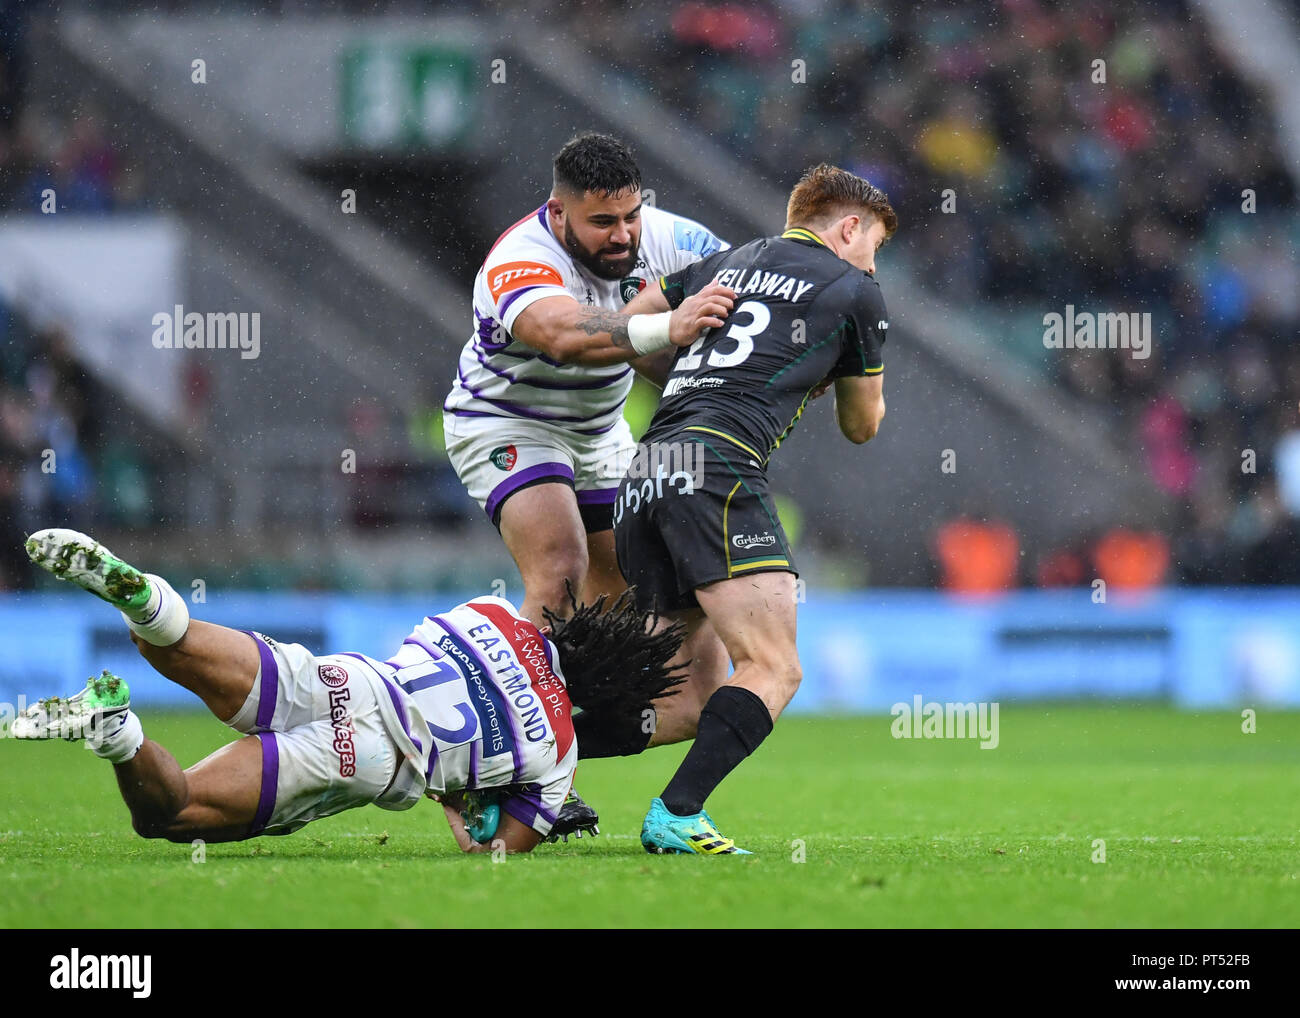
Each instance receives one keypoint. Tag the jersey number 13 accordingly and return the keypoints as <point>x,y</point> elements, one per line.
<point>744,335</point>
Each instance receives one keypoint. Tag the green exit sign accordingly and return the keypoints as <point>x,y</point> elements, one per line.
<point>398,95</point>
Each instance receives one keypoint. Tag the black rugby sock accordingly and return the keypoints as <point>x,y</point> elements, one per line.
<point>732,725</point>
<point>602,734</point>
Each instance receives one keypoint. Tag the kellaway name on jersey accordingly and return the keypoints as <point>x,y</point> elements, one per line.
<point>772,284</point>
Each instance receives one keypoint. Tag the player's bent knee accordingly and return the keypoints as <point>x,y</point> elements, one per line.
<point>787,678</point>
<point>686,728</point>
<point>180,833</point>
<point>564,563</point>
<point>153,827</point>
<point>781,662</point>
<point>781,674</point>
<point>570,562</point>
<point>162,823</point>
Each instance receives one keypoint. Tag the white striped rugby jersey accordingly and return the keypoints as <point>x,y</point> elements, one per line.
<point>500,377</point>
<point>476,699</point>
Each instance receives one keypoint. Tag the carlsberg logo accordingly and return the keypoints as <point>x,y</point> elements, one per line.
<point>102,972</point>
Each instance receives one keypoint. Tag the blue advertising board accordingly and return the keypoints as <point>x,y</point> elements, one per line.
<point>861,652</point>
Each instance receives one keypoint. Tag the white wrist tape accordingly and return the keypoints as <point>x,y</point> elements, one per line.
<point>649,333</point>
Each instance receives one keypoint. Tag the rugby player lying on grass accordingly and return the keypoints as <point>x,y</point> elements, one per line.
<point>475,705</point>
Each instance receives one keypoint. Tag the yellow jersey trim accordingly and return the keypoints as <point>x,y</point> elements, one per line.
<point>799,233</point>
<point>726,544</point>
<point>722,434</point>
<point>756,564</point>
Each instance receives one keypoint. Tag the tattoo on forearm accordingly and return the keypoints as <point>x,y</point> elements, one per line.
<point>594,321</point>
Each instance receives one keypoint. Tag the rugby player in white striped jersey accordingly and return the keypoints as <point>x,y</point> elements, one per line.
<point>474,709</point>
<point>534,420</point>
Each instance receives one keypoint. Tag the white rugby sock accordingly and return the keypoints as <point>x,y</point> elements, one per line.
<point>121,743</point>
<point>150,608</point>
<point>164,619</point>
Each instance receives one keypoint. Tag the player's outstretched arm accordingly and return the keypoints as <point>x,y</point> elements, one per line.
<point>511,835</point>
<point>860,406</point>
<point>570,332</point>
<point>656,366</point>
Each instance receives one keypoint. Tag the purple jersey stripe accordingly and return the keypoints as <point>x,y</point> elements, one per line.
<point>394,696</point>
<point>270,778</point>
<point>472,779</point>
<point>516,294</point>
<point>600,496</point>
<point>509,417</point>
<point>269,685</point>
<point>443,672</point>
<point>534,356</point>
<point>600,383</point>
<point>536,415</point>
<point>526,806</point>
<point>598,431</point>
<point>496,371</point>
<point>603,382</point>
<point>419,641</point>
<point>512,484</point>
<point>535,796</point>
<point>467,644</point>
<point>487,327</point>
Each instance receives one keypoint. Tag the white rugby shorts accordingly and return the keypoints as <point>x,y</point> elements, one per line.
<point>325,747</point>
<point>495,457</point>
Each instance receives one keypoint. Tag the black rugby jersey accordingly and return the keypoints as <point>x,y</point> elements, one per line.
<point>801,314</point>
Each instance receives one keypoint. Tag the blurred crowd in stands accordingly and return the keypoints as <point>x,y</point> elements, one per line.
<point>1122,195</point>
<point>48,443</point>
<point>57,461</point>
<point>38,152</point>
<point>1119,195</point>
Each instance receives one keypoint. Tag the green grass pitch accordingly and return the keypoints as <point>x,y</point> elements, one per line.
<point>1200,823</point>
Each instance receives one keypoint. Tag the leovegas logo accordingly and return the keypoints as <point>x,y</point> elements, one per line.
<point>513,275</point>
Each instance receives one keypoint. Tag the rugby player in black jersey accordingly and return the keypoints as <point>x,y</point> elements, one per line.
<point>696,530</point>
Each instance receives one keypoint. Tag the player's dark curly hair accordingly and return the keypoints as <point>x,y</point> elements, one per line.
<point>615,660</point>
<point>598,163</point>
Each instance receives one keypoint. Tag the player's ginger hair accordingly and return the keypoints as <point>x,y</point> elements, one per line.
<point>826,193</point>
